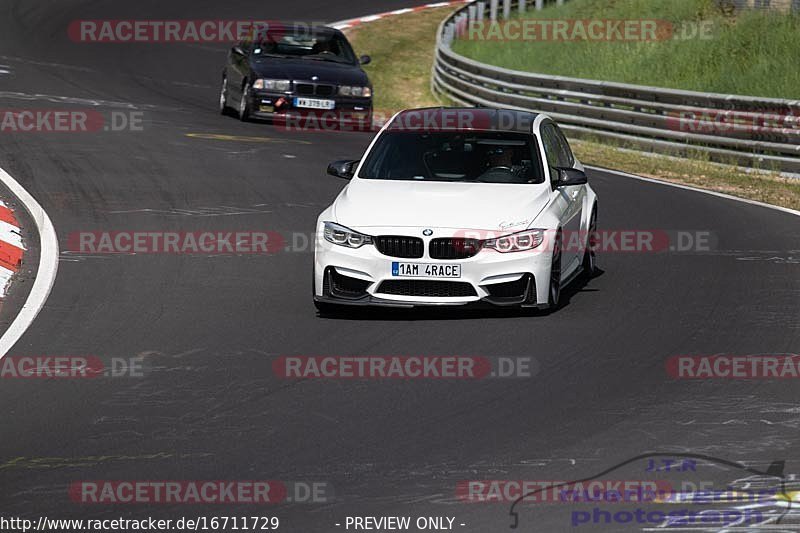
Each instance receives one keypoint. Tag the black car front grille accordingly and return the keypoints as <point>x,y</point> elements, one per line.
<point>427,288</point>
<point>314,89</point>
<point>454,248</point>
<point>325,90</point>
<point>399,246</point>
<point>304,89</point>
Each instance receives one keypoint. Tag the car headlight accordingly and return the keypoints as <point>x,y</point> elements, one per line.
<point>516,242</point>
<point>345,236</point>
<point>347,90</point>
<point>273,85</point>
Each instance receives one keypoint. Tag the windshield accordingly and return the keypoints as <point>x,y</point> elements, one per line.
<point>490,157</point>
<point>305,45</point>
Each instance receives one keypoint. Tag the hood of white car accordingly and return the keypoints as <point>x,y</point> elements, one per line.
<point>485,206</point>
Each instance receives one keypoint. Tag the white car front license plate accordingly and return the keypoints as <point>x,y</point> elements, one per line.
<point>313,103</point>
<point>423,270</point>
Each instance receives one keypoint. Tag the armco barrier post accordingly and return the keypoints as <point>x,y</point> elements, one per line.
<point>463,21</point>
<point>481,11</point>
<point>493,10</point>
<point>539,5</point>
<point>522,6</point>
<point>473,13</point>
<point>506,9</point>
<point>449,34</point>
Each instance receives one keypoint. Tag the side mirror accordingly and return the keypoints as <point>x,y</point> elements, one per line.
<point>237,51</point>
<point>365,60</point>
<point>343,169</point>
<point>570,176</point>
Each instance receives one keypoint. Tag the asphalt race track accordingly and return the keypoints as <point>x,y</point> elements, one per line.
<point>208,327</point>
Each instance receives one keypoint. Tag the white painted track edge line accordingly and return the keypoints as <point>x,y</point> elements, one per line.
<point>46,271</point>
<point>344,24</point>
<point>696,189</point>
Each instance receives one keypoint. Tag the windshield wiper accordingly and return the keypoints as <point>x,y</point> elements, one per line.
<point>268,54</point>
<point>322,58</point>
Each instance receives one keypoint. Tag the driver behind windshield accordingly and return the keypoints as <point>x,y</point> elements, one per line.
<point>323,47</point>
<point>304,45</point>
<point>501,159</point>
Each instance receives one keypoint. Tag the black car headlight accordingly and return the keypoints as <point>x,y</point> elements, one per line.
<point>348,90</point>
<point>343,236</point>
<point>273,85</point>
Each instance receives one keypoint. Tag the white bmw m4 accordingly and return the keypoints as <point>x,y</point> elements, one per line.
<point>453,207</point>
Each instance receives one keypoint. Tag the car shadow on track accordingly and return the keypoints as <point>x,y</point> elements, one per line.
<point>580,285</point>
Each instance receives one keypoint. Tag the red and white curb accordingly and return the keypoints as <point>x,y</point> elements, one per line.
<point>11,247</point>
<point>48,260</point>
<point>352,23</point>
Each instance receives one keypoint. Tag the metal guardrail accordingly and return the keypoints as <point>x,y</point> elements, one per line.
<point>745,130</point>
<point>775,5</point>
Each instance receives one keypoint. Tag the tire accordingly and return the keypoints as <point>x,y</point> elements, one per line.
<point>554,289</point>
<point>244,104</point>
<point>224,108</point>
<point>589,255</point>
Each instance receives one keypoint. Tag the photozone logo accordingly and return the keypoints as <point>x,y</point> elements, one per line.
<point>762,488</point>
<point>69,121</point>
<point>68,367</point>
<point>380,367</point>
<point>708,518</point>
<point>200,492</point>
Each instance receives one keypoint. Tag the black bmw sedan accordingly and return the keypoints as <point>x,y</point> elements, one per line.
<point>296,69</point>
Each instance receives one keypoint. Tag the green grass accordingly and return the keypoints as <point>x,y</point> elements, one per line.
<point>751,52</point>
<point>401,48</point>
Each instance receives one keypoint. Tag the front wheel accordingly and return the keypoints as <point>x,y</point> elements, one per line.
<point>223,97</point>
<point>555,275</point>
<point>244,104</point>
<point>590,255</point>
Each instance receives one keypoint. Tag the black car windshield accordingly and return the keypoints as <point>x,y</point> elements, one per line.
<point>305,45</point>
<point>481,157</point>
